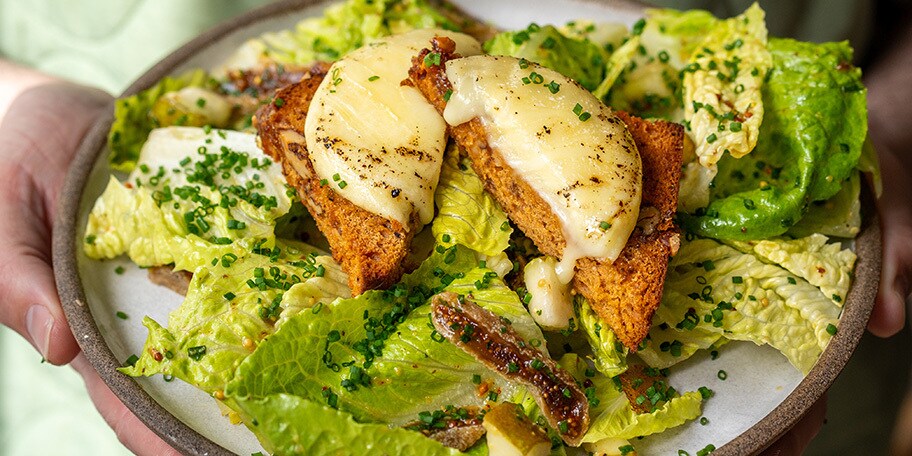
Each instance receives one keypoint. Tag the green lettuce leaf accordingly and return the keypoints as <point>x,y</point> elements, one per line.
<point>815,123</point>
<point>609,354</point>
<point>341,29</point>
<point>195,195</point>
<point>231,307</point>
<point>133,118</point>
<point>287,424</point>
<point>619,421</point>
<point>466,214</point>
<point>839,216</point>
<point>612,415</point>
<point>580,60</point>
<point>377,356</point>
<point>714,288</point>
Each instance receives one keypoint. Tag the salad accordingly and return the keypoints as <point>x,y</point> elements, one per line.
<point>274,328</point>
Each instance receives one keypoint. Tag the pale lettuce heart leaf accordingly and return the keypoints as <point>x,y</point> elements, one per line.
<point>612,417</point>
<point>666,345</point>
<point>715,288</point>
<point>839,216</point>
<point>823,264</point>
<point>869,165</point>
<point>577,59</point>
<point>619,61</point>
<point>231,307</point>
<point>619,421</point>
<point>606,35</point>
<point>412,371</point>
<point>288,424</point>
<point>466,214</point>
<point>129,221</point>
<point>133,118</point>
<point>341,28</point>
<point>679,33</point>
<point>608,354</point>
<point>195,194</point>
<point>722,87</point>
<point>650,85</point>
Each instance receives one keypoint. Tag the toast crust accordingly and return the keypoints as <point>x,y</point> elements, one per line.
<point>626,293</point>
<point>370,248</point>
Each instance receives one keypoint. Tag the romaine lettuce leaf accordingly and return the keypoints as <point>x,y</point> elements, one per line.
<point>826,266</point>
<point>714,288</point>
<point>815,123</point>
<point>133,120</point>
<point>287,424</point>
<point>128,220</point>
<point>612,416</point>
<point>619,421</point>
<point>195,195</point>
<point>231,307</point>
<point>580,60</point>
<point>617,63</point>
<point>341,29</point>
<point>650,85</point>
<point>376,355</point>
<point>678,33</point>
<point>609,354</point>
<point>839,216</point>
<point>466,214</point>
<point>722,101</point>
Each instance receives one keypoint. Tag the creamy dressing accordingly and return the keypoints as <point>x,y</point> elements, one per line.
<point>566,144</point>
<point>551,305</point>
<point>374,141</point>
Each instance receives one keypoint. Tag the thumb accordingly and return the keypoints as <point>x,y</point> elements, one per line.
<point>28,293</point>
<point>39,133</point>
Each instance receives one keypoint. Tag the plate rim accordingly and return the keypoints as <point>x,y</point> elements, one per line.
<point>858,307</point>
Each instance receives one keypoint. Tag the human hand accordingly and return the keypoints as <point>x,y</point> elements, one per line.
<point>895,206</point>
<point>889,112</point>
<point>40,132</point>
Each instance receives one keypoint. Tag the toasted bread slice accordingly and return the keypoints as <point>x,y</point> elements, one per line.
<point>166,276</point>
<point>626,293</point>
<point>370,248</point>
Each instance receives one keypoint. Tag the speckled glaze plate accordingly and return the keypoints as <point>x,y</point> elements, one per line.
<point>762,397</point>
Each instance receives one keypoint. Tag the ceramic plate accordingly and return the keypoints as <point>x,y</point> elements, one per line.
<point>761,398</point>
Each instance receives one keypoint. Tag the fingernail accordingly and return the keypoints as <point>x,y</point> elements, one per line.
<point>39,324</point>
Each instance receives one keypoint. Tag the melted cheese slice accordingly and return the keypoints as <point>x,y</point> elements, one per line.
<point>567,145</point>
<point>378,143</point>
